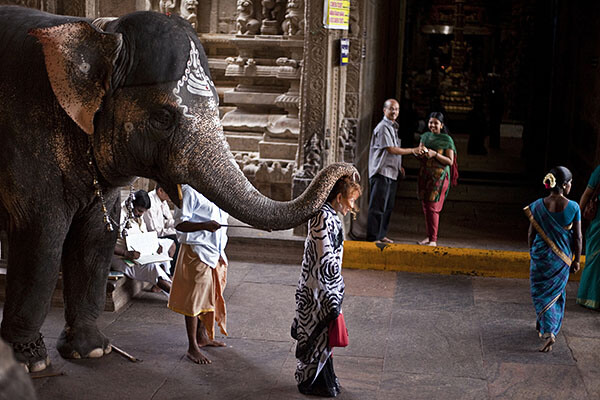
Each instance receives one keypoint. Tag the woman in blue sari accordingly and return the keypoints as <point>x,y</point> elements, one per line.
<point>588,294</point>
<point>555,248</point>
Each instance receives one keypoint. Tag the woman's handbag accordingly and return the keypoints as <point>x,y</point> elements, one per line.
<point>338,334</point>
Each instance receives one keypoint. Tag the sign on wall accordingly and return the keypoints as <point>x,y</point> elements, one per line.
<point>336,14</point>
<point>344,51</point>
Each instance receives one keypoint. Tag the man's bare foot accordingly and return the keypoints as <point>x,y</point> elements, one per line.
<point>211,343</point>
<point>548,342</point>
<point>386,240</point>
<point>197,357</point>
<point>155,289</point>
<point>424,241</point>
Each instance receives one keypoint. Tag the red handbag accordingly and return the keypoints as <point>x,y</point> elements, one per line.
<point>338,334</point>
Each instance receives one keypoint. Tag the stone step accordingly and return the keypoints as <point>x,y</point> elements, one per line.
<point>243,142</point>
<point>263,249</point>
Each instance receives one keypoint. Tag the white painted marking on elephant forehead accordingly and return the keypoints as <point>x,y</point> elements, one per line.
<point>198,83</point>
<point>128,126</point>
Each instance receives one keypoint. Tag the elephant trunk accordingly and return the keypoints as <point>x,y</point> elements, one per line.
<point>212,171</point>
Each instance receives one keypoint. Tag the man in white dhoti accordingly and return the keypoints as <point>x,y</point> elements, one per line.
<point>123,258</point>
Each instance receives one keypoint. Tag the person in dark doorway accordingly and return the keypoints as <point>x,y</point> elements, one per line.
<point>554,240</point>
<point>438,170</point>
<point>477,128</point>
<point>200,272</point>
<point>495,99</point>
<point>320,292</point>
<point>385,167</point>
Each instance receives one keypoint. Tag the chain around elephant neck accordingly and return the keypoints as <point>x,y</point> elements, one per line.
<point>107,219</point>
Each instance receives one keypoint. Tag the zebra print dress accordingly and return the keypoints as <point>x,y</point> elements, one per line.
<point>319,296</point>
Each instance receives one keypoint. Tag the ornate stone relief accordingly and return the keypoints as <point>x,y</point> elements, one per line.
<point>65,7</point>
<point>293,23</point>
<point>265,118</point>
<point>273,12</point>
<point>188,10</point>
<point>347,140</point>
<point>25,3</point>
<point>313,161</point>
<point>246,22</point>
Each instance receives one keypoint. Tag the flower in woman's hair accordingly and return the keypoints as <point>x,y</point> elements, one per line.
<point>549,181</point>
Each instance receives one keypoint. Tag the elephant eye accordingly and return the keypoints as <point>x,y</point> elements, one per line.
<point>162,119</point>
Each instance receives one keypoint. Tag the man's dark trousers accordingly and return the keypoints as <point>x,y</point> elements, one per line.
<point>381,205</point>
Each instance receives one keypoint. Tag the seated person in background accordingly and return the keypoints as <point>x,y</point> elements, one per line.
<point>154,272</point>
<point>159,218</point>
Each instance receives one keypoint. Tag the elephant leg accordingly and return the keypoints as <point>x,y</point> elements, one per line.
<point>33,266</point>
<point>86,260</point>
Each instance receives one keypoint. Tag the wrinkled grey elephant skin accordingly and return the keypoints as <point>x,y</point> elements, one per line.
<point>77,102</point>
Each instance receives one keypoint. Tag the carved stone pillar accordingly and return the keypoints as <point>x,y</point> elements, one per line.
<point>348,127</point>
<point>323,90</point>
<point>323,97</point>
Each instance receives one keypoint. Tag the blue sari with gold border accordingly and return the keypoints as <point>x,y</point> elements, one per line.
<point>551,258</point>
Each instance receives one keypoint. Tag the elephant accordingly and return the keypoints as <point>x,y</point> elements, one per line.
<point>85,108</point>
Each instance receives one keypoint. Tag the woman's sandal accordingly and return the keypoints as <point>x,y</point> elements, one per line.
<point>549,342</point>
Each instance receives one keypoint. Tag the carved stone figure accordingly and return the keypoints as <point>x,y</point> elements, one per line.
<point>166,6</point>
<point>152,5</point>
<point>293,23</point>
<point>312,156</point>
<point>271,9</point>
<point>246,23</point>
<point>188,11</point>
<point>109,106</point>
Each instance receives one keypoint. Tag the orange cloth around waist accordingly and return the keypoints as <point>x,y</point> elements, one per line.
<point>197,290</point>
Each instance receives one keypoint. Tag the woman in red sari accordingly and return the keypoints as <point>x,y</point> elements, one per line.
<point>438,170</point>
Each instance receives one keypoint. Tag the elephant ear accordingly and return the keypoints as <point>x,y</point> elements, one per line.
<point>79,62</point>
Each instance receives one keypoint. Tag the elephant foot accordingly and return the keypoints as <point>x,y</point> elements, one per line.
<point>82,342</point>
<point>32,355</point>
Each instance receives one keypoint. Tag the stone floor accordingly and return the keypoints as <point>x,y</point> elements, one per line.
<point>411,337</point>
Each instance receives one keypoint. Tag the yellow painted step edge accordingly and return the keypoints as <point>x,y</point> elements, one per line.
<point>439,260</point>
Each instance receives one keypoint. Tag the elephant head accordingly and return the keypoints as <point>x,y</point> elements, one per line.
<point>141,90</point>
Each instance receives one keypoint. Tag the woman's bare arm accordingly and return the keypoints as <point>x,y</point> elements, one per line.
<point>577,239</point>
<point>442,159</point>
<point>585,197</point>
<point>530,235</point>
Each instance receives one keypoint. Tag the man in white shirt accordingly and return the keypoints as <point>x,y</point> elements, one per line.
<point>201,271</point>
<point>159,218</point>
<point>123,258</point>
